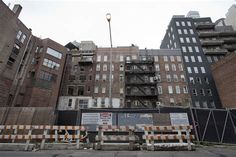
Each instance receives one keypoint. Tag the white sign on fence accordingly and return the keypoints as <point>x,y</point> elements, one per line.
<point>179,119</point>
<point>103,118</point>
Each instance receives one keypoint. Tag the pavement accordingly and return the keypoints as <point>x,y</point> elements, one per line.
<point>203,151</point>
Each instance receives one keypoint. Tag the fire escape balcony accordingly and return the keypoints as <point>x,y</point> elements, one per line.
<point>230,47</point>
<point>211,42</point>
<point>141,83</point>
<point>86,59</point>
<point>205,25</point>
<point>211,51</point>
<point>127,72</point>
<point>230,40</point>
<point>228,34</point>
<point>146,61</point>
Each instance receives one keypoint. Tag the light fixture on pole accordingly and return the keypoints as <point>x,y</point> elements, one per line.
<point>108,16</point>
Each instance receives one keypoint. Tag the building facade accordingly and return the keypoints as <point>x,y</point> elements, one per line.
<point>224,73</point>
<point>230,16</point>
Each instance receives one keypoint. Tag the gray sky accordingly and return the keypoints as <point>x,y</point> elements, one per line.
<point>139,22</point>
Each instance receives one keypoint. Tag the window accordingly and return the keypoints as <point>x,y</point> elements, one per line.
<point>121,77</point>
<point>195,70</point>
<point>181,40</point>
<point>104,77</point>
<point>177,89</point>
<point>199,58</point>
<point>173,36</point>
<point>104,68</point>
<point>159,88</point>
<point>16,49</point>
<point>70,90</point>
<point>183,23</point>
<point>171,29</point>
<point>187,40</point>
<point>190,49</point>
<point>191,31</point>
<point>182,77</point>
<point>188,23</point>
<point>185,31</point>
<point>158,78</point>
<point>209,59</point>
<point>70,103</point>
<point>191,80</point>
<point>177,23</point>
<point>112,67</point>
<point>23,38</point>
<point>167,67</point>
<point>18,35</point>
<point>41,50</point>
<point>98,67</point>
<point>179,31</point>
<point>172,101</point>
<point>165,59</point>
<point>170,89</point>
<point>47,76</point>
<point>212,104</point>
<point>189,70</point>
<point>172,58</point>
<point>194,91</point>
<point>209,93</point>
<point>121,67</point>
<point>215,58</point>
<point>192,59</point>
<point>96,90</point>
<point>121,58</point>
<point>179,58</point>
<point>99,58</point>
<point>103,89</point>
<point>206,80</point>
<point>121,90</point>
<point>201,92</point>
<point>134,57</point>
<point>184,49</point>
<point>180,67</point>
<point>204,104</point>
<point>203,70</point>
<point>197,104</point>
<point>198,79</point>
<point>173,66</point>
<point>97,77</point>
<point>185,89</point>
<point>105,58</point>
<point>196,49</point>
<point>157,66</point>
<point>186,59</point>
<point>194,40</point>
<point>175,78</point>
<point>168,78</point>
<point>82,78</point>
<point>54,53</point>
<point>156,58</point>
<point>50,64</point>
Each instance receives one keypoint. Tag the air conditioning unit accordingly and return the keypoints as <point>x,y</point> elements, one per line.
<point>155,78</point>
<point>158,103</point>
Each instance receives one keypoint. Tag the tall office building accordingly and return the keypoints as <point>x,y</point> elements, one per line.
<point>183,33</point>
<point>230,16</point>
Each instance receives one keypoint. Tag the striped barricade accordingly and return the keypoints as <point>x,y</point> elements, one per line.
<point>167,136</point>
<point>116,137</point>
<point>36,133</point>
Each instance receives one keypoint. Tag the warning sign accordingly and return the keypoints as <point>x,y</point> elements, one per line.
<point>104,118</point>
<point>179,119</point>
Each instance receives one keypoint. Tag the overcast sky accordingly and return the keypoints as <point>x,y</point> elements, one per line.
<point>139,22</point>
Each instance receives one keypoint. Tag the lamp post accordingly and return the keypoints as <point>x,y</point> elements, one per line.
<point>108,16</point>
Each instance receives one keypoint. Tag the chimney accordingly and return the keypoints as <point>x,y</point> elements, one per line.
<point>17,9</point>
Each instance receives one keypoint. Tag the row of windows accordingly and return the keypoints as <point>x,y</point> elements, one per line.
<point>54,53</point>
<point>21,36</point>
<point>105,67</point>
<point>196,70</point>
<point>187,40</point>
<point>71,90</point>
<point>202,92</point>
<point>105,77</point>
<point>174,89</point>
<point>51,64</point>
<point>211,59</point>
<point>171,58</point>
<point>193,59</point>
<point>190,49</point>
<point>204,104</point>
<point>183,23</point>
<point>47,76</point>
<point>198,80</point>
<point>169,78</point>
<point>103,90</point>
<point>173,67</point>
<point>105,58</point>
<point>185,31</point>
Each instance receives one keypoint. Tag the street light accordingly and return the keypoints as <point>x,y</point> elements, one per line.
<point>108,16</point>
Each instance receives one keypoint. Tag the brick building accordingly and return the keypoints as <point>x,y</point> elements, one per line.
<point>224,73</point>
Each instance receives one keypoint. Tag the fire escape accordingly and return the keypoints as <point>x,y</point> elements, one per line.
<point>140,85</point>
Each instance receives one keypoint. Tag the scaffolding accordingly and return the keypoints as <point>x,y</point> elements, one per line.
<point>140,83</point>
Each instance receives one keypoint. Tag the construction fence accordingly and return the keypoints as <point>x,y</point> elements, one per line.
<point>209,125</point>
